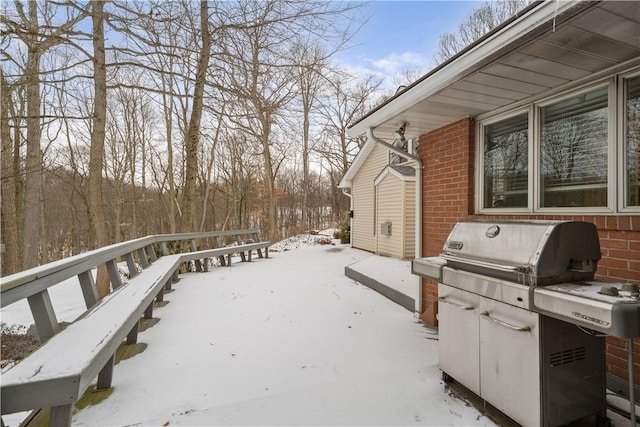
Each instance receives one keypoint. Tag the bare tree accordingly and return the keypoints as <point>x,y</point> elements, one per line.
<point>38,38</point>
<point>8,203</point>
<point>97,222</point>
<point>478,22</point>
<point>311,65</point>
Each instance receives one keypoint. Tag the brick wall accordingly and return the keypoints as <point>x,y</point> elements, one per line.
<point>447,156</point>
<point>447,192</point>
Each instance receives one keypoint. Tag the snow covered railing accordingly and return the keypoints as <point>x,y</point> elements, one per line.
<point>44,379</point>
<point>33,284</point>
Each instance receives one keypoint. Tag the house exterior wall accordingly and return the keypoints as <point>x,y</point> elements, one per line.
<point>447,193</point>
<point>391,205</point>
<point>409,251</point>
<point>448,197</point>
<point>363,191</point>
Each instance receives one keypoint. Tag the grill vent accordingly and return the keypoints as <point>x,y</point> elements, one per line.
<point>567,356</point>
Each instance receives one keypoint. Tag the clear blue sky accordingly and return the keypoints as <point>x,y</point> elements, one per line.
<point>402,34</point>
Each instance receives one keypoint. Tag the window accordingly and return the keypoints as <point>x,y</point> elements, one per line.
<point>573,151</point>
<point>632,139</point>
<point>506,162</point>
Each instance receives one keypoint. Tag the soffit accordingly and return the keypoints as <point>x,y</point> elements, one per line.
<point>598,38</point>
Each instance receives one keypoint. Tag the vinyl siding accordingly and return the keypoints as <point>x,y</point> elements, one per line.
<point>390,195</point>
<point>363,190</point>
<point>409,220</point>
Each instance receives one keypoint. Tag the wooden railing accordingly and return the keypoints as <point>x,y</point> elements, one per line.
<point>33,284</point>
<point>44,379</point>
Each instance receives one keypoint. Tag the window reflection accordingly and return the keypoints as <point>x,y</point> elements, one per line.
<point>633,141</point>
<point>506,163</point>
<point>573,151</point>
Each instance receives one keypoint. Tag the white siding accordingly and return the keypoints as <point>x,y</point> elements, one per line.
<point>363,190</point>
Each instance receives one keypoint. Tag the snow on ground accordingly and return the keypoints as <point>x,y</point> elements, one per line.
<point>392,272</point>
<point>66,298</point>
<point>287,340</point>
<point>283,341</point>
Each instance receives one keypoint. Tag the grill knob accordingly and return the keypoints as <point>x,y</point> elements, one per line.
<point>609,290</point>
<point>633,289</point>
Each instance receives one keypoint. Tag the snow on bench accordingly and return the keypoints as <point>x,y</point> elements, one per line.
<point>58,373</point>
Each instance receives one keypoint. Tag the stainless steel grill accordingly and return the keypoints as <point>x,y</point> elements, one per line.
<point>521,317</point>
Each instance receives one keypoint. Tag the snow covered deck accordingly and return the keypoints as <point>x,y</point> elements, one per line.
<point>285,341</point>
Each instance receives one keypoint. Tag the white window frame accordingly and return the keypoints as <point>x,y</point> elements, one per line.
<point>480,162</point>
<point>622,143</point>
<point>608,84</point>
<point>616,152</point>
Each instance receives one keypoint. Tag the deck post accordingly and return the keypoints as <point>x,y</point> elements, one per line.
<point>164,248</point>
<point>239,242</point>
<point>221,257</point>
<point>152,253</point>
<point>194,248</point>
<point>60,415</point>
<point>132,337</point>
<point>256,239</point>
<point>43,315</point>
<point>114,275</point>
<point>144,261</point>
<point>160,296</point>
<point>131,264</point>
<point>105,376</point>
<point>89,290</point>
<point>148,313</point>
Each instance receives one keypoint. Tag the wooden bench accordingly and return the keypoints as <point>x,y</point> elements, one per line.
<point>57,374</point>
<point>88,345</point>
<point>228,251</point>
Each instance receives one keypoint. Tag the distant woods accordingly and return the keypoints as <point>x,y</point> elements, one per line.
<point>124,118</point>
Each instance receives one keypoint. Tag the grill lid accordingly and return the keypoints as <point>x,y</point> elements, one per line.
<point>530,252</point>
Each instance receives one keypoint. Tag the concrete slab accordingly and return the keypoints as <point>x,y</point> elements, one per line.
<point>388,276</point>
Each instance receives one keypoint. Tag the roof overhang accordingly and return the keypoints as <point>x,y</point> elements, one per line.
<point>364,152</point>
<point>548,46</point>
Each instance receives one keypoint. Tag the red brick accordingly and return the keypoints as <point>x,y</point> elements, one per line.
<point>612,262</point>
<point>624,223</point>
<point>624,235</point>
<point>613,244</point>
<point>617,273</point>
<point>615,341</point>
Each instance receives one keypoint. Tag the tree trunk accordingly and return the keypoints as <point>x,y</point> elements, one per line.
<point>97,223</point>
<point>193,131</point>
<point>8,197</point>
<point>33,165</point>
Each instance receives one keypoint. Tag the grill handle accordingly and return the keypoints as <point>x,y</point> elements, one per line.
<point>505,324</point>
<point>489,265</point>
<point>456,305</point>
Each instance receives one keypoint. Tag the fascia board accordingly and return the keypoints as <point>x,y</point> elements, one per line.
<point>357,163</point>
<point>389,170</point>
<point>463,65</point>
